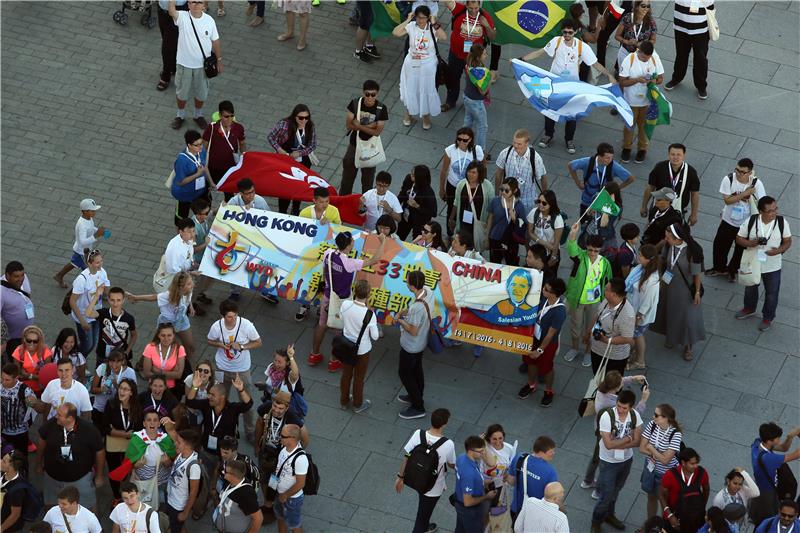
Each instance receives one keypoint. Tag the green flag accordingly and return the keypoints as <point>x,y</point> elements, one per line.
<point>385,17</point>
<point>603,203</point>
<point>532,23</point>
<point>659,111</point>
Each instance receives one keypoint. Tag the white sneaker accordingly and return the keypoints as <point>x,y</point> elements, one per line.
<point>585,485</point>
<point>366,404</point>
<point>587,359</point>
<point>571,355</point>
<point>595,494</point>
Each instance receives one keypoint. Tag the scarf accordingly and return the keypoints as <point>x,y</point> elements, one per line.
<point>137,447</point>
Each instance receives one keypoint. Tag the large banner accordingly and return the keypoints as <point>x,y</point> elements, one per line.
<point>475,302</point>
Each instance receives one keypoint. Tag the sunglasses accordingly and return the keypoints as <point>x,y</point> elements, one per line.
<point>505,189</point>
<point>226,116</point>
<point>92,254</point>
<point>463,139</point>
<point>303,117</point>
<point>204,370</point>
<point>370,94</point>
<point>644,6</point>
<point>31,341</point>
<point>425,230</point>
<point>541,202</point>
<point>567,33</point>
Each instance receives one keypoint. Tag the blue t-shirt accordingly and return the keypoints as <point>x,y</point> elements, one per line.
<point>539,472</point>
<point>186,165</point>
<point>553,318</point>
<point>772,461</point>
<point>594,183</point>
<point>468,478</point>
<point>499,221</point>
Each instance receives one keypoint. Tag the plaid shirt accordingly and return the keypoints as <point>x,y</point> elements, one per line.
<point>519,166</point>
<point>280,134</point>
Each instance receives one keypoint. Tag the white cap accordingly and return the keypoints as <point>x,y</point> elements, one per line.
<point>87,204</point>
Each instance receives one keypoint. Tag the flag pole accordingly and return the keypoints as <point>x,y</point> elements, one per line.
<point>590,205</point>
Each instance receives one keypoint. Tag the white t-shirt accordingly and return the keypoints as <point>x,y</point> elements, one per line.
<point>353,318</point>
<point>84,521</point>
<point>243,332</point>
<point>173,313</point>
<point>84,235</point>
<point>189,54</point>
<point>622,428</point>
<point>371,201</point>
<point>178,487</point>
<point>459,159</point>
<point>202,392</point>
<point>738,213</point>
<point>498,472</point>
<point>178,255</point>
<point>125,518</point>
<point>286,477</point>
<point>545,227</point>
<point>85,285</point>
<point>76,394</point>
<point>420,43</point>
<point>636,94</point>
<point>100,400</point>
<point>566,59</point>
<point>771,231</point>
<point>447,456</point>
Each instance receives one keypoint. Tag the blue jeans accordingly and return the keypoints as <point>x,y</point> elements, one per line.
<point>87,340</point>
<point>475,118</point>
<point>469,519</point>
<point>772,286</point>
<point>610,481</point>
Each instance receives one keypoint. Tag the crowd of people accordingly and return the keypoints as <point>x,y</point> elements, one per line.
<point>157,423</point>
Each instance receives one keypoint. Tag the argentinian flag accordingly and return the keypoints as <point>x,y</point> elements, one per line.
<point>563,99</point>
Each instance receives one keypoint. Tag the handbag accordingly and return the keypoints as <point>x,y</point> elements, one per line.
<point>334,301</point>
<point>162,280</point>
<point>170,179</point>
<point>713,26</point>
<point>436,342</point>
<point>500,516</point>
<point>116,444</point>
<point>346,350</point>
<point>369,153</point>
<point>692,287</point>
<point>749,269</point>
<point>210,62</point>
<point>441,64</point>
<point>586,406</point>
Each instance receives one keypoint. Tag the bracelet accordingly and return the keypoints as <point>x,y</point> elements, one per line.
<point>195,388</point>
<point>400,476</point>
<point>666,508</point>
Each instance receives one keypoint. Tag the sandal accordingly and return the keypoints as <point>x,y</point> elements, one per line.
<point>301,46</point>
<point>162,85</point>
<point>446,107</point>
<point>285,37</point>
<point>220,12</point>
<point>687,354</point>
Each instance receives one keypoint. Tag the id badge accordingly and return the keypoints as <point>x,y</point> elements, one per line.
<point>200,183</point>
<point>273,482</point>
<point>592,294</point>
<point>666,277</point>
<point>66,452</point>
<point>406,214</point>
<point>537,331</point>
<point>619,455</point>
<point>467,46</point>
<point>650,466</point>
<point>212,442</point>
<point>467,217</point>
<point>29,310</point>
<point>761,255</point>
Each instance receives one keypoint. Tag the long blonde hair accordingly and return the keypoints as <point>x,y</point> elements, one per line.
<point>175,287</point>
<point>41,346</point>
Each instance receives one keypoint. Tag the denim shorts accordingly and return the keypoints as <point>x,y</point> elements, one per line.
<point>289,512</point>
<point>638,331</point>
<point>651,481</point>
<point>181,323</point>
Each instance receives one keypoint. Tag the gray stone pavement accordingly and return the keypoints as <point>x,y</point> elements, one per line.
<point>81,117</point>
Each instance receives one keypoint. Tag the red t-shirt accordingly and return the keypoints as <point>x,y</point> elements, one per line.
<point>464,29</point>
<point>221,155</point>
<point>673,486</point>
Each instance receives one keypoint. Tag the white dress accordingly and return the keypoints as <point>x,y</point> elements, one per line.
<point>418,77</point>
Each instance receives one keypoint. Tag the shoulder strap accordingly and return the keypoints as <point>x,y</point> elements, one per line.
<point>752,222</point>
<point>780,226</point>
<point>435,46</point>
<point>508,153</point>
<point>66,522</point>
<point>147,518</point>
<point>367,318</point>
<point>196,37</point>
<point>290,457</point>
<point>580,48</point>
<point>294,459</point>
<point>590,169</point>
<point>730,178</point>
<point>525,477</point>
<point>764,469</point>
<point>632,56</point>
<point>438,443</point>
<point>9,286</point>
<point>558,43</point>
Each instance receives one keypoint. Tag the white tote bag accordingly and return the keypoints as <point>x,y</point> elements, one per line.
<point>162,280</point>
<point>749,268</point>
<point>586,406</point>
<point>713,27</point>
<point>334,301</point>
<point>369,153</point>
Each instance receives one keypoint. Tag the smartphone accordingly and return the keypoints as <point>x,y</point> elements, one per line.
<point>645,385</point>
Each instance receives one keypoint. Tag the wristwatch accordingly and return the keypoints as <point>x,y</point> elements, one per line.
<point>539,350</point>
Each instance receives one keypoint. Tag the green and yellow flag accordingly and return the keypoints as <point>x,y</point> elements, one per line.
<point>385,17</point>
<point>529,22</point>
<point>658,112</point>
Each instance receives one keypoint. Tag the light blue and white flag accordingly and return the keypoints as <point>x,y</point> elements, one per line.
<point>563,99</point>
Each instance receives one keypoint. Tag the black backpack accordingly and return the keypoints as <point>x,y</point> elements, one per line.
<point>784,482</point>
<point>752,222</point>
<point>691,506</point>
<point>669,436</point>
<point>534,177</point>
<point>422,467</point>
<point>311,487</point>
<point>612,414</point>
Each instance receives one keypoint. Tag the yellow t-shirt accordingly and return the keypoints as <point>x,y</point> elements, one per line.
<point>331,213</point>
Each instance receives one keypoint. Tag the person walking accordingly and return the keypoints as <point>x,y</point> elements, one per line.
<point>637,70</point>
<point>295,136</point>
<point>169,41</point>
<point>414,329</point>
<point>643,291</point>
<point>476,97</point>
<point>357,328</point>
<point>294,9</point>
<point>91,280</point>
<point>86,237</point>
<point>293,465</point>
<point>691,35</point>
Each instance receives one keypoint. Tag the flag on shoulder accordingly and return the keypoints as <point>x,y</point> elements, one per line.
<point>480,77</point>
<point>603,203</point>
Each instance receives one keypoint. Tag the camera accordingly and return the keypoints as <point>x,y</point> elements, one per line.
<point>762,241</point>
<point>596,333</point>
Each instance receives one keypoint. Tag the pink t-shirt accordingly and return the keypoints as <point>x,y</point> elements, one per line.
<point>164,361</point>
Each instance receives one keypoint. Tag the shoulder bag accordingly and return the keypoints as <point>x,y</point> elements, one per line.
<point>436,341</point>
<point>346,350</point>
<point>162,280</point>
<point>586,406</point>
<point>334,301</point>
<point>369,153</point>
<point>713,26</point>
<point>210,62</point>
<point>480,235</point>
<point>441,64</point>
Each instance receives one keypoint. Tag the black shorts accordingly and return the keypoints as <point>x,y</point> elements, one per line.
<point>364,14</point>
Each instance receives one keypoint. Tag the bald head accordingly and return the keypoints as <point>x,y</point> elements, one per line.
<point>554,492</point>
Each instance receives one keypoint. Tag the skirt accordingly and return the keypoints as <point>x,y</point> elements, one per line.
<point>297,6</point>
<point>418,87</point>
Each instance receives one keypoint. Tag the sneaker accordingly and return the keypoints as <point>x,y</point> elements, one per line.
<point>526,391</point>
<point>202,298</point>
<point>702,94</point>
<point>570,147</point>
<point>710,273</point>
<point>587,359</point>
<point>372,51</point>
<point>314,359</point>
<point>765,325</point>
<point>270,298</point>
<point>432,528</point>
<point>201,122</point>
<point>670,85</point>
<point>626,155</point>
<point>615,522</point>
<point>547,399</point>
<point>362,55</point>
<point>745,313</point>
<point>366,404</point>
<point>595,494</point>
<point>176,123</point>
<point>585,485</point>
<point>404,398</point>
<point>301,313</point>
<point>410,412</point>
<point>545,141</point>
<point>523,368</point>
<point>334,365</point>
<point>640,156</point>
<point>571,355</point>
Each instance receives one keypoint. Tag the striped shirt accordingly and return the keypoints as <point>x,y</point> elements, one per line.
<point>691,23</point>
<point>14,418</point>
<point>541,516</point>
<point>663,440</point>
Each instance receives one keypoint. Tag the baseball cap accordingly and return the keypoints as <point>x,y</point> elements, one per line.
<point>87,204</point>
<point>665,193</point>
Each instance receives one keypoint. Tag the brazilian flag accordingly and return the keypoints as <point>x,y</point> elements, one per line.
<point>385,17</point>
<point>529,22</point>
<point>658,112</point>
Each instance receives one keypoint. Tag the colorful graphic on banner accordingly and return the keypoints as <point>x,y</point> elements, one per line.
<point>479,303</point>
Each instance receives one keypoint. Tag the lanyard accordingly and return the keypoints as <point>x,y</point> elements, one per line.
<point>126,423</point>
<point>546,307</point>
<point>34,364</point>
<point>156,406</point>
<point>161,357</point>
<point>674,178</point>
<point>227,492</point>
<point>67,433</point>
<point>195,159</point>
<point>689,482</point>
<point>758,232</point>
<point>226,136</point>
<point>135,516</point>
<point>505,209</point>
<point>461,162</point>
<point>471,30</point>
<point>300,137</point>
<point>274,428</point>
<point>418,41</point>
<point>10,480</point>
<point>674,257</point>
<point>472,198</point>
<point>602,176</point>
<point>636,32</point>
<point>215,420</point>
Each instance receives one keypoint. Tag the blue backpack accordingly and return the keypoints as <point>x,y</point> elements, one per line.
<point>298,403</point>
<point>33,503</point>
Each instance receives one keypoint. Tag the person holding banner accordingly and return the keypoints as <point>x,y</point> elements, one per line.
<point>506,224</point>
<point>472,199</point>
<point>338,271</point>
<point>418,201</point>
<point>431,237</point>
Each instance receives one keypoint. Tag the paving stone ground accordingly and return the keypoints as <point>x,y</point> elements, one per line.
<point>81,117</point>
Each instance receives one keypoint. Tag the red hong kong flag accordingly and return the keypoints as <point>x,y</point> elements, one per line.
<point>615,9</point>
<point>280,176</point>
